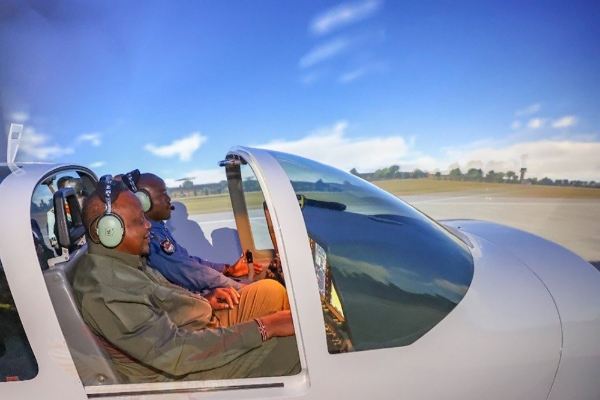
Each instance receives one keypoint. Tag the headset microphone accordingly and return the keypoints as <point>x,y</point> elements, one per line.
<point>172,207</point>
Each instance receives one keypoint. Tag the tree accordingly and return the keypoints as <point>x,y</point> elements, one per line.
<point>455,174</point>
<point>187,184</point>
<point>475,174</point>
<point>511,176</point>
<point>381,174</point>
<point>251,185</point>
<point>417,173</point>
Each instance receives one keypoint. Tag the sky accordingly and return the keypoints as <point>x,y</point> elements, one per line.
<point>169,86</point>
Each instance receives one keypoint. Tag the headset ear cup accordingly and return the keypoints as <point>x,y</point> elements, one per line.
<point>110,230</point>
<point>145,199</point>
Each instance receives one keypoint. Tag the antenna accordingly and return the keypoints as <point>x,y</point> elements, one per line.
<point>14,138</point>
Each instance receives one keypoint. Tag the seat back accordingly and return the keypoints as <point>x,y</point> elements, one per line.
<point>91,359</point>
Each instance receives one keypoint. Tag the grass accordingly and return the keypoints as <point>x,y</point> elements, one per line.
<point>217,203</point>
<point>407,187</point>
<point>427,186</point>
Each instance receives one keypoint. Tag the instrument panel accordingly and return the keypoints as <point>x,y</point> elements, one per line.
<point>336,328</point>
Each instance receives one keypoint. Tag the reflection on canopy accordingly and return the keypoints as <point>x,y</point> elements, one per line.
<point>391,273</point>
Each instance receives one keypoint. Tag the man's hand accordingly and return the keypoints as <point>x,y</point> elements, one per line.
<point>222,298</point>
<point>278,324</point>
<point>240,268</point>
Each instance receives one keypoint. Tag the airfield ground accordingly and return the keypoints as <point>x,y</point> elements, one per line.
<point>566,215</point>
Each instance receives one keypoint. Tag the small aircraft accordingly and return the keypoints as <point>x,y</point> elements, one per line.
<point>386,302</point>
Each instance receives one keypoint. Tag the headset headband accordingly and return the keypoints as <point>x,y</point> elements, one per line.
<point>108,189</point>
<point>131,179</point>
<point>107,195</point>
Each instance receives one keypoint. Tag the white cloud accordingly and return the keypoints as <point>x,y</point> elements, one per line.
<point>573,158</point>
<point>312,77</point>
<point>362,71</point>
<point>532,109</point>
<point>342,15</point>
<point>564,159</point>
<point>516,124</point>
<point>536,123</point>
<point>19,117</point>
<point>184,148</point>
<point>324,51</point>
<point>476,164</point>
<point>332,146</point>
<point>35,147</point>
<point>452,287</point>
<point>353,75</point>
<point>97,164</point>
<point>565,122</point>
<point>93,138</point>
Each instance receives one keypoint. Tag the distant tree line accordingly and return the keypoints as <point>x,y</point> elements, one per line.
<point>392,172</point>
<point>189,189</point>
<point>472,175</point>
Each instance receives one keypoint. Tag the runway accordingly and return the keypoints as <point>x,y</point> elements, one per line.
<point>573,223</point>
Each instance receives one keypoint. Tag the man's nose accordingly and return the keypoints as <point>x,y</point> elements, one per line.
<point>147,223</point>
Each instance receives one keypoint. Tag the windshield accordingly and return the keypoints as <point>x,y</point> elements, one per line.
<point>386,273</point>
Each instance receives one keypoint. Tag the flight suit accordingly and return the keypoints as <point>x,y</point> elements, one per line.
<point>178,266</point>
<point>157,331</point>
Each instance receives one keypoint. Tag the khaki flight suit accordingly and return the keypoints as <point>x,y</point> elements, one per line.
<point>157,331</point>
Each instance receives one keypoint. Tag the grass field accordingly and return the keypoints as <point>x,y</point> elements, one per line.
<point>427,186</point>
<point>218,203</point>
<point>406,187</point>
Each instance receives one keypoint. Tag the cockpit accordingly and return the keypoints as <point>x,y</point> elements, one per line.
<point>386,273</point>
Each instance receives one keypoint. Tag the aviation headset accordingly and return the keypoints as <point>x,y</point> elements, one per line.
<point>131,179</point>
<point>110,228</point>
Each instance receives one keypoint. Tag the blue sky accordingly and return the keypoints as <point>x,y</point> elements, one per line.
<point>169,86</point>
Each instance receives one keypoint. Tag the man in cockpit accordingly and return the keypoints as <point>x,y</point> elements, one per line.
<point>158,331</point>
<point>213,280</point>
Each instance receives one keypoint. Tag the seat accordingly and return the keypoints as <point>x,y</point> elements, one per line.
<point>91,359</point>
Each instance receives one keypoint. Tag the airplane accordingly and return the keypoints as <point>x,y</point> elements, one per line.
<point>386,302</point>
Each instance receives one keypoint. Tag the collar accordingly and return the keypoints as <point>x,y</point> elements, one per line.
<point>126,258</point>
<point>157,224</point>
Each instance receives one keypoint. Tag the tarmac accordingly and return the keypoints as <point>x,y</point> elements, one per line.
<point>572,223</point>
